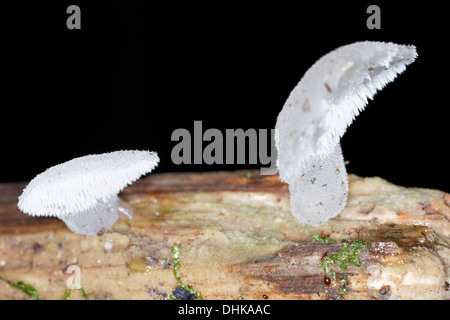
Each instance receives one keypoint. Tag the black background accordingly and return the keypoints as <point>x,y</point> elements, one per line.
<point>138,70</point>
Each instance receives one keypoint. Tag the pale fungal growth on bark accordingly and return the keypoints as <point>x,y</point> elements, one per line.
<point>83,192</point>
<point>316,115</point>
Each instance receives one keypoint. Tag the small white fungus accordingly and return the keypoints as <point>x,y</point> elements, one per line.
<point>316,115</point>
<point>83,192</point>
<point>108,245</point>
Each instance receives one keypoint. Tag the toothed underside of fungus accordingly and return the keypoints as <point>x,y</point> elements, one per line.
<point>83,191</point>
<point>316,115</point>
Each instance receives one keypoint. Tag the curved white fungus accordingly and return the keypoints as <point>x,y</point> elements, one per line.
<point>83,192</point>
<point>316,115</point>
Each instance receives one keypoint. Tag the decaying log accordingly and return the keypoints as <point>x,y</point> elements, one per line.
<point>238,240</point>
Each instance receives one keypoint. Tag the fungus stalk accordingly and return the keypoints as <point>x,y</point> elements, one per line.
<point>316,115</point>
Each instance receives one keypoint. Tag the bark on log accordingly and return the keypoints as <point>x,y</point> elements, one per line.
<point>238,240</point>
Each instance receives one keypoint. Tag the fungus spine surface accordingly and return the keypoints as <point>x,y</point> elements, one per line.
<point>316,115</point>
<point>83,192</point>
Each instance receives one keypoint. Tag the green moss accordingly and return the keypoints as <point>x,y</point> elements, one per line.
<point>348,256</point>
<point>25,288</point>
<point>325,266</point>
<point>176,265</point>
<point>32,292</point>
<point>342,285</point>
<point>66,294</point>
<point>84,294</point>
<point>322,239</point>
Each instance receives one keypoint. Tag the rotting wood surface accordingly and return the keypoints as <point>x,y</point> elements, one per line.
<point>238,240</point>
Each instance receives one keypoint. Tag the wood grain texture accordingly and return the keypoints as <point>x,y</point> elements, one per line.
<point>238,240</point>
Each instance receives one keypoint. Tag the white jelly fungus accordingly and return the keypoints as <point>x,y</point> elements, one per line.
<point>316,115</point>
<point>83,192</point>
